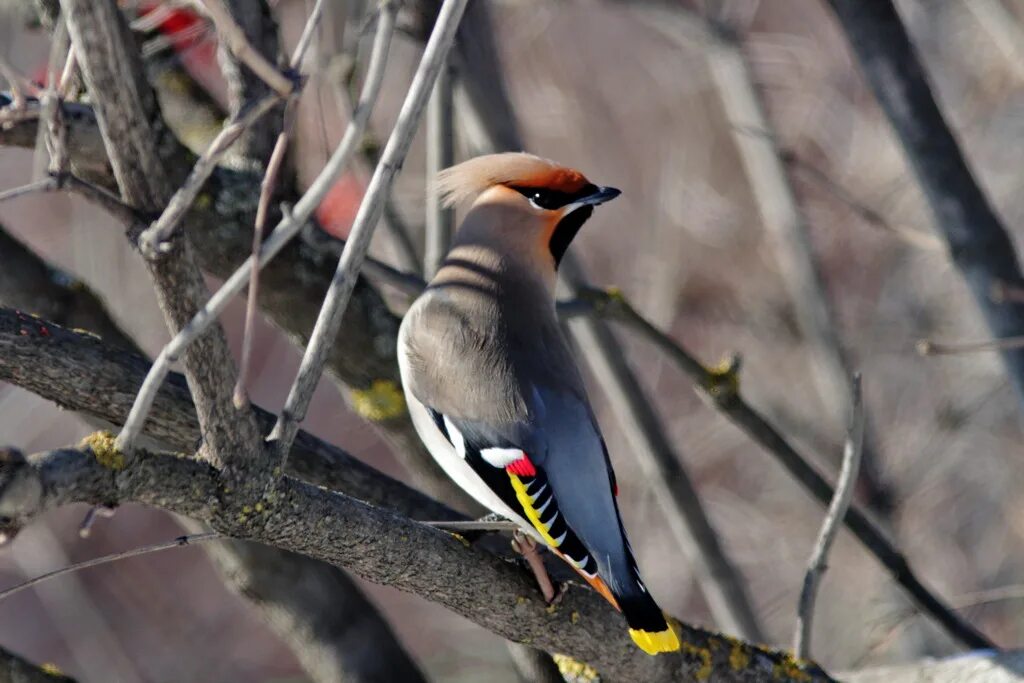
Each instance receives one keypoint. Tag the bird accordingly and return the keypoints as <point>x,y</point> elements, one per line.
<point>493,388</point>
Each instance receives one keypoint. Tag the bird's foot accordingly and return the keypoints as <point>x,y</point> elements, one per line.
<point>527,547</point>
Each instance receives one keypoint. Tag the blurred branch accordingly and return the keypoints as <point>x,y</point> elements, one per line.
<point>235,38</point>
<point>32,285</point>
<point>440,155</point>
<point>1003,28</point>
<point>978,242</point>
<point>14,669</point>
<point>782,218</point>
<point>911,235</point>
<point>258,28</point>
<point>830,527</point>
<point>721,387</point>
<point>134,136</point>
<point>383,547</point>
<point>926,347</point>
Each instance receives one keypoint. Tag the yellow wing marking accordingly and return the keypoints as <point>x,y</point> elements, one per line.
<point>531,512</point>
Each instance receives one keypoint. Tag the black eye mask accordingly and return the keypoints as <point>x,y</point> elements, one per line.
<point>553,199</point>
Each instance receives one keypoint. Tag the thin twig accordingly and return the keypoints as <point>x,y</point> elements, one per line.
<point>926,347</point>
<point>67,74</point>
<point>340,290</point>
<point>473,525</point>
<point>267,188</point>
<point>833,520</point>
<point>47,184</point>
<point>440,155</point>
<point>262,209</point>
<point>113,557</point>
<point>307,35</point>
<point>94,513</point>
<point>234,37</point>
<point>286,229</point>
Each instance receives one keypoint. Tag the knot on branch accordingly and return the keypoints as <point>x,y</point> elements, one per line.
<point>575,671</point>
<point>722,381</point>
<point>21,493</point>
<point>103,446</point>
<point>382,400</point>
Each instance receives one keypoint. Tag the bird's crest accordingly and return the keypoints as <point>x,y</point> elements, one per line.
<point>464,182</point>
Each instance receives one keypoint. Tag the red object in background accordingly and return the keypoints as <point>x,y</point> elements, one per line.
<point>337,211</point>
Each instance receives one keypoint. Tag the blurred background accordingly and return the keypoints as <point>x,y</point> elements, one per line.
<point>638,104</point>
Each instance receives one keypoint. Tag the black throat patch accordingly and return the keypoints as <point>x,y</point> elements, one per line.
<point>566,230</point>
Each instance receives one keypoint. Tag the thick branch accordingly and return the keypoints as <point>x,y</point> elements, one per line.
<point>79,372</point>
<point>30,284</point>
<point>978,242</point>
<point>386,548</point>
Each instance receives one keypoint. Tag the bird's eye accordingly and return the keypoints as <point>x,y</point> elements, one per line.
<point>544,199</point>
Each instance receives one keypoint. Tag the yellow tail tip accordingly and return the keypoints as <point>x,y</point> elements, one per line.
<point>653,642</point>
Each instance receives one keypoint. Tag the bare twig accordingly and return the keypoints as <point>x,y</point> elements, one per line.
<point>308,31</point>
<point>234,37</point>
<point>56,182</point>
<point>473,525</point>
<point>721,386</point>
<point>262,210</point>
<point>927,347</point>
<point>358,242</point>
<point>440,155</point>
<point>47,184</point>
<point>833,521</point>
<point>113,557</point>
<point>287,228</point>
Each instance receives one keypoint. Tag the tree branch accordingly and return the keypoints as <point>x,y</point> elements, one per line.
<point>78,371</point>
<point>383,547</point>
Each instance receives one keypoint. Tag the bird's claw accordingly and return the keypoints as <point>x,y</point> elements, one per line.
<point>527,547</point>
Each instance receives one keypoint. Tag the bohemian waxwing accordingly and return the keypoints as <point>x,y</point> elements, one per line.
<point>492,385</point>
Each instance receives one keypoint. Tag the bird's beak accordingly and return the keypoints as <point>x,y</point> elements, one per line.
<point>603,194</point>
